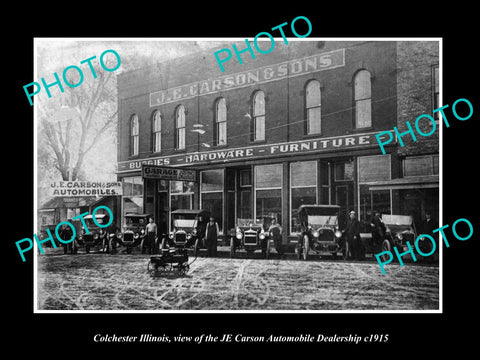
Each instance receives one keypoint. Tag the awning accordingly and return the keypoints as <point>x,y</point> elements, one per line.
<point>413,182</point>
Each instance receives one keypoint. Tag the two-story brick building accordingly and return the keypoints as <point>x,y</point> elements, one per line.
<point>295,126</point>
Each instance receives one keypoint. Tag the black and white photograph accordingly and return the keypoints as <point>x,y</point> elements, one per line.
<point>244,181</point>
<point>180,181</point>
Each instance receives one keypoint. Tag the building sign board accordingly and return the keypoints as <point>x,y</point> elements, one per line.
<point>303,147</point>
<point>297,67</point>
<point>167,173</point>
<point>85,188</point>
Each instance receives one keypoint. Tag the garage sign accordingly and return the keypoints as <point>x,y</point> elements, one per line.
<point>167,173</point>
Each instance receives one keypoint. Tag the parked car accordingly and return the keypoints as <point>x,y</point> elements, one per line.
<point>250,235</point>
<point>319,231</point>
<point>185,229</point>
<point>96,235</point>
<point>134,231</point>
<point>399,230</point>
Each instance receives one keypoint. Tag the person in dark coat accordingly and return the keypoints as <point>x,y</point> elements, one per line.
<point>379,228</point>
<point>211,237</point>
<point>66,234</point>
<point>352,232</point>
<point>275,231</point>
<point>201,227</point>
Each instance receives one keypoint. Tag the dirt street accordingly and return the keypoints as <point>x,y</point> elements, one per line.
<point>121,282</point>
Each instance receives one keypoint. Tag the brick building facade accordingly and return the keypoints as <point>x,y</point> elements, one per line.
<point>295,126</point>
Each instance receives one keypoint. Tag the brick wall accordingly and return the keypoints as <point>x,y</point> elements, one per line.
<point>415,87</point>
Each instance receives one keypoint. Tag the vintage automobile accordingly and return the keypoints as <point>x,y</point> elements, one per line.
<point>173,257</point>
<point>96,236</point>
<point>134,231</point>
<point>399,230</point>
<point>319,231</point>
<point>185,227</point>
<point>250,235</point>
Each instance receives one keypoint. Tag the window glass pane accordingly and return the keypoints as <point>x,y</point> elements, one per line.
<point>343,171</point>
<point>181,138</point>
<point>135,145</point>
<point>212,180</point>
<point>436,79</point>
<point>221,110</point>
<point>363,113</point>
<point>222,133</point>
<point>157,123</point>
<point>259,104</point>
<point>260,128</point>
<point>313,97</point>
<point>134,124</point>
<point>371,201</point>
<point>269,203</point>
<point>268,176</point>
<point>158,142</point>
<point>180,202</point>
<point>180,117</point>
<point>314,120</point>
<point>132,205</point>
<point>418,166</point>
<point>303,173</point>
<point>373,168</point>
<point>245,177</point>
<point>213,202</point>
<point>363,88</point>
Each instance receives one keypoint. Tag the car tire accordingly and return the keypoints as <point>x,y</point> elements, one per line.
<point>386,246</point>
<point>267,250</point>
<point>306,247</point>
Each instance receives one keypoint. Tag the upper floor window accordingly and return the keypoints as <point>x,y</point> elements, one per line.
<point>134,131</point>
<point>259,116</point>
<point>221,122</point>
<point>313,104</point>
<point>157,132</point>
<point>180,128</point>
<point>363,99</point>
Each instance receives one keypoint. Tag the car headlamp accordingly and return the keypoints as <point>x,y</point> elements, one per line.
<point>112,235</point>
<point>238,235</point>
<point>261,236</point>
<point>194,232</point>
<point>400,236</point>
<point>136,236</point>
<point>95,236</point>
<point>338,233</point>
<point>119,235</point>
<point>170,235</point>
<point>143,231</point>
<point>189,236</point>
<point>316,234</point>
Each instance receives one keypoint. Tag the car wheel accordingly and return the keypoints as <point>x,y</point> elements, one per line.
<point>267,250</point>
<point>386,246</point>
<point>306,247</point>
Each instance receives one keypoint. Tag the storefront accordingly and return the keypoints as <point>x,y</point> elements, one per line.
<point>264,181</point>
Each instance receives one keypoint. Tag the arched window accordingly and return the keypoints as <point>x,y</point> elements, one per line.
<point>363,99</point>
<point>157,132</point>
<point>221,122</point>
<point>180,128</point>
<point>259,116</point>
<point>313,102</point>
<point>134,131</point>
